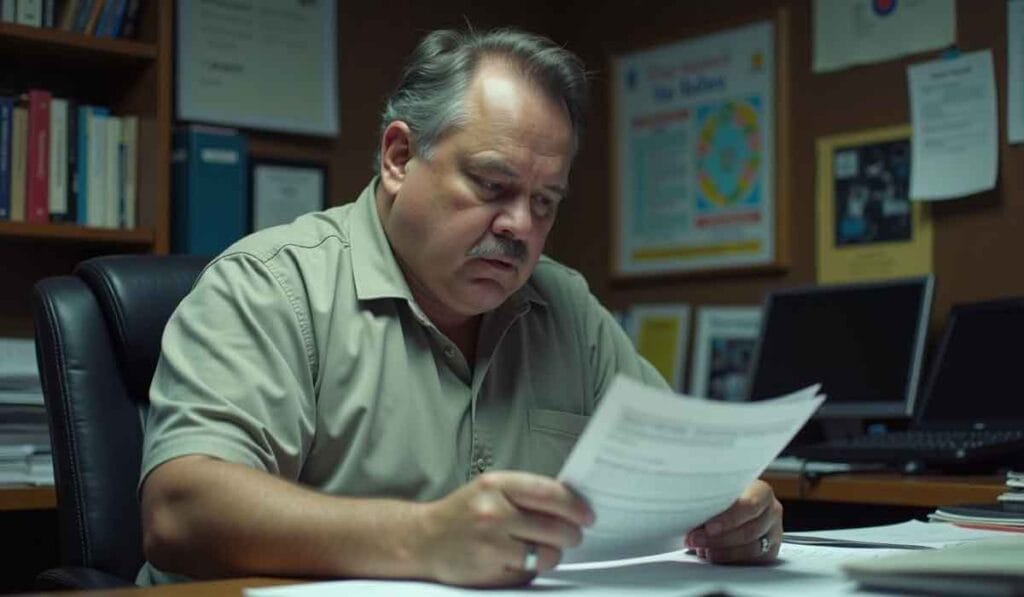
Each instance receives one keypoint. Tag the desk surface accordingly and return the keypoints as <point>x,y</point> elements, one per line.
<point>887,489</point>
<point>27,497</point>
<point>210,588</point>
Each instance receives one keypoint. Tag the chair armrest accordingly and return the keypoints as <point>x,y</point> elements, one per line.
<point>78,577</point>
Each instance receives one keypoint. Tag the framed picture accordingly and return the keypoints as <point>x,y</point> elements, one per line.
<point>660,333</point>
<point>868,228</point>
<point>283,191</point>
<point>699,149</point>
<point>723,351</point>
<point>260,64</point>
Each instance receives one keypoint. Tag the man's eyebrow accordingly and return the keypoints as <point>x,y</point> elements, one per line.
<point>500,166</point>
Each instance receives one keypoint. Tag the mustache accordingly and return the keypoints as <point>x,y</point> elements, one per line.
<point>499,246</point>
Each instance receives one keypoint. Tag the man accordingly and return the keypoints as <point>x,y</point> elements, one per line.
<point>387,388</point>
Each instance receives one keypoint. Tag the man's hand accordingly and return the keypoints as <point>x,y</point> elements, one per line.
<point>735,536</point>
<point>479,534</point>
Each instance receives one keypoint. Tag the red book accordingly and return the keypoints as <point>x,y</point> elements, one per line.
<point>37,175</point>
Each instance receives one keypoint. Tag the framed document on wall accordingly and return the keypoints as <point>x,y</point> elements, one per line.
<point>868,228</point>
<point>261,64</point>
<point>696,153</point>
<point>283,191</point>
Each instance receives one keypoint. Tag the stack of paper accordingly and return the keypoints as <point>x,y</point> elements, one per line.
<point>24,437</point>
<point>1006,516</point>
<point>1014,488</point>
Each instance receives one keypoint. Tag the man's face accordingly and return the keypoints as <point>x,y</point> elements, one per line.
<point>469,224</point>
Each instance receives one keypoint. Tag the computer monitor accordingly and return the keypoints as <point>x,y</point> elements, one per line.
<point>863,342</point>
<point>975,381</point>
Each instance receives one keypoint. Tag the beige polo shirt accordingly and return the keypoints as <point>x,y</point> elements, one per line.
<point>300,351</point>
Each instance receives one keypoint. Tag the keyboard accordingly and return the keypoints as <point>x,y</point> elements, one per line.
<point>922,447</point>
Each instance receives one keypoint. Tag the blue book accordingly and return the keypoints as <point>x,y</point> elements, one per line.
<point>210,190</point>
<point>81,182</point>
<point>6,124</point>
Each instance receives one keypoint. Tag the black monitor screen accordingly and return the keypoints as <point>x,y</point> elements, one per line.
<point>862,342</point>
<point>976,376</point>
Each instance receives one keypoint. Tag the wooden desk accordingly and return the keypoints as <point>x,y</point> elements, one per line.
<point>887,489</point>
<point>210,588</point>
<point>27,497</point>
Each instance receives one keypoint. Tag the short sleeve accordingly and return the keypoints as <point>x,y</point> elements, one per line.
<point>234,380</point>
<point>612,352</point>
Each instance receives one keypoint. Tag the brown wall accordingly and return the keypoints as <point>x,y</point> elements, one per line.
<point>977,239</point>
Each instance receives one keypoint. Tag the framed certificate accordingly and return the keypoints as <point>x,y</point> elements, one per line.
<point>283,191</point>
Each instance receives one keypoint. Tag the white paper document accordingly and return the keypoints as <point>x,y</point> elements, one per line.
<point>852,32</point>
<point>955,139</point>
<point>653,464</point>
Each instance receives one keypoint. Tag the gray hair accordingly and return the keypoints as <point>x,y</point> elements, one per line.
<point>430,96</point>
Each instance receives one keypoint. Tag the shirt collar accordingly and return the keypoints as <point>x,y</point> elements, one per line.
<point>374,268</point>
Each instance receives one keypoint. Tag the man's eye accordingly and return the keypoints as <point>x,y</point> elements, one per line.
<point>490,186</point>
<point>544,205</point>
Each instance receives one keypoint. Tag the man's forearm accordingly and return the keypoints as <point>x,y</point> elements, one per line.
<point>208,518</point>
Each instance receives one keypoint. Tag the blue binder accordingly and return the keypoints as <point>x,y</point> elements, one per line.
<point>210,190</point>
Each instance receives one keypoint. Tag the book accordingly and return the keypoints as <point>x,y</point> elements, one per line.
<point>8,11</point>
<point>66,20</point>
<point>58,192</point>
<point>85,146</point>
<point>83,11</point>
<point>72,162</point>
<point>112,172</point>
<point>37,160</point>
<point>6,124</point>
<point>29,12</point>
<point>130,23</point>
<point>129,170</point>
<point>93,17</point>
<point>96,171</point>
<point>210,189</point>
<point>19,138</point>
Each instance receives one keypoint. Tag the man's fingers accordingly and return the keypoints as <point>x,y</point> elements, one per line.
<point>745,534</point>
<point>545,529</point>
<point>748,553</point>
<point>540,494</point>
<point>755,500</point>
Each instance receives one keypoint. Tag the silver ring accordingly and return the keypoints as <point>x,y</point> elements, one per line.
<point>766,544</point>
<point>530,559</point>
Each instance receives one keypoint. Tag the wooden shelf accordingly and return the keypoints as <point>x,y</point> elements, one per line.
<point>887,489</point>
<point>23,39</point>
<point>73,233</point>
<point>24,497</point>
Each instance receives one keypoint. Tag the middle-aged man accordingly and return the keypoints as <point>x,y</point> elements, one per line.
<point>386,389</point>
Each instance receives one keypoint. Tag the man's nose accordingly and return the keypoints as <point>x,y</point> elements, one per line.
<point>515,219</point>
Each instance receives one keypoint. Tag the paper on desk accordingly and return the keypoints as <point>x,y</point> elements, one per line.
<point>653,464</point>
<point>911,532</point>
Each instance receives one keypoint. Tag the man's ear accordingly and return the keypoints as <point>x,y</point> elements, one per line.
<point>395,153</point>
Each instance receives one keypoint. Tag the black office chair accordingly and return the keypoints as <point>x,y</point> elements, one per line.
<point>98,340</point>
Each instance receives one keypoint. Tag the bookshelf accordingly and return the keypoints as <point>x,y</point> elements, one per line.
<point>131,77</point>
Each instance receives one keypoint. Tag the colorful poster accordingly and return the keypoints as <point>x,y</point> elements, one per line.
<point>694,126</point>
<point>660,333</point>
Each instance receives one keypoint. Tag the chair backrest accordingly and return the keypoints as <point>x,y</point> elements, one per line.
<point>98,341</point>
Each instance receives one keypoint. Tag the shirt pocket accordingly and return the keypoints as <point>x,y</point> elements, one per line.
<point>553,434</point>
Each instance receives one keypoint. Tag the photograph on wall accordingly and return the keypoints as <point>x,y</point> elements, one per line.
<point>868,228</point>
<point>694,150</point>
<point>660,333</point>
<point>723,350</point>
